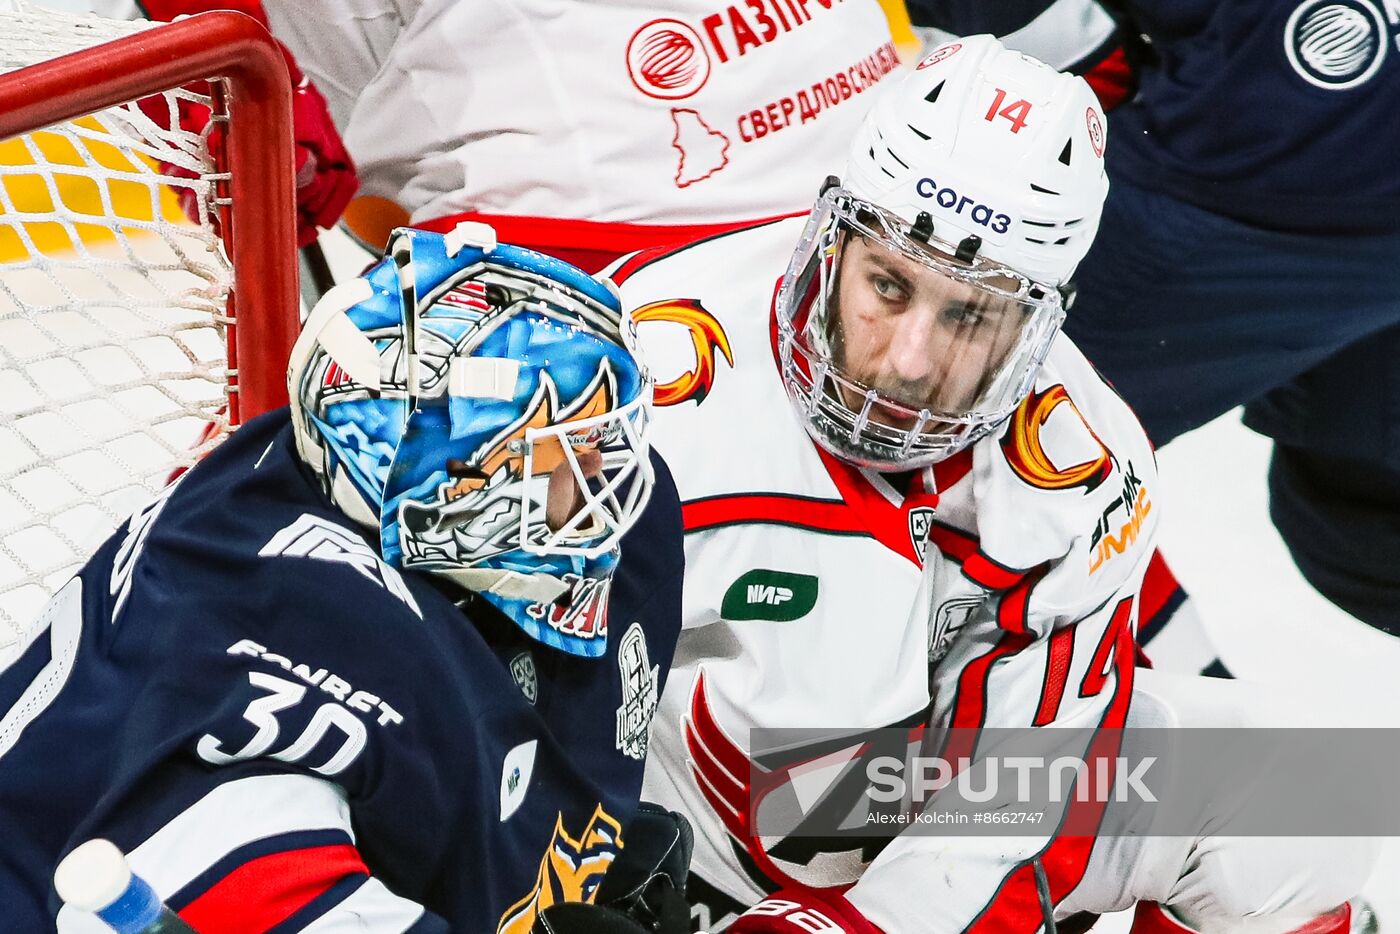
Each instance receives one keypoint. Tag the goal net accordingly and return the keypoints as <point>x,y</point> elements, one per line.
<point>123,354</point>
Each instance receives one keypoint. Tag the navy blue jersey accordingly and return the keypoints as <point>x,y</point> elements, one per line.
<point>282,730</point>
<point>1280,113</point>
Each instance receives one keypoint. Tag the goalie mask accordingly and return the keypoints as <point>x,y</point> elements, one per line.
<point>926,292</point>
<point>437,397</point>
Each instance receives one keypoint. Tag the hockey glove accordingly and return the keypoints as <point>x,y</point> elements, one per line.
<point>325,173</point>
<point>643,891</point>
<point>1112,79</point>
<point>326,179</point>
<point>797,911</point>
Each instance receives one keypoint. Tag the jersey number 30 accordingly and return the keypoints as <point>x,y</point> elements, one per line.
<point>262,713</point>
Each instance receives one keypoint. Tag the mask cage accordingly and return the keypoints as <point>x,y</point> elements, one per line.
<point>843,413</point>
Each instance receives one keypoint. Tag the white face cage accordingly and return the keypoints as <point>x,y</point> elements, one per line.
<point>611,503</point>
<point>900,349</point>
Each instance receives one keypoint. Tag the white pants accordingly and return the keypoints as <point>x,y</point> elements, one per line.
<point>1260,885</point>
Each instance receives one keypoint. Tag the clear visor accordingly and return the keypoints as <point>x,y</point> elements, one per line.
<point>608,502</point>
<point>899,344</point>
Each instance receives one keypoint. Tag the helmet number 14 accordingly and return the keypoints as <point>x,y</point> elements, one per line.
<point>1016,111</point>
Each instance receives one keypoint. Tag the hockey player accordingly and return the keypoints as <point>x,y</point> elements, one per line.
<point>374,664</point>
<point>908,499</point>
<point>1291,309</point>
<point>583,128</point>
<point>1081,37</point>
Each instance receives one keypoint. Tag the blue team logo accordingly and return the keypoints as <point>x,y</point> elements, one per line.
<point>1336,44</point>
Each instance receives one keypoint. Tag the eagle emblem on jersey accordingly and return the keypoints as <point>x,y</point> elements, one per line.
<point>1025,451</point>
<point>706,336</point>
<point>570,870</point>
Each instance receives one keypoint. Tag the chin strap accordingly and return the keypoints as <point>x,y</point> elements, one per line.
<point>511,585</point>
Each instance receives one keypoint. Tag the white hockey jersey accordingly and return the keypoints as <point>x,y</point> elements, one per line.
<point>997,589</point>
<point>683,112</point>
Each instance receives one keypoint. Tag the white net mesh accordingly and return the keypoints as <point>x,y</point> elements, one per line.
<point>113,359</point>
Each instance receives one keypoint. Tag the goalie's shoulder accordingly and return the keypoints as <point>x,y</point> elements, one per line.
<point>247,543</point>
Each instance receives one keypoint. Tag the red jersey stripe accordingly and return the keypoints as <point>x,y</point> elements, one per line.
<point>1013,612</point>
<point>264,892</point>
<point>1016,907</point>
<point>817,514</point>
<point>1058,657</point>
<point>955,543</point>
<point>993,575</point>
<point>1159,586</point>
<point>725,751</point>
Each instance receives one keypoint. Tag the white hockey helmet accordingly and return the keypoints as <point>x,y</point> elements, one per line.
<point>973,189</point>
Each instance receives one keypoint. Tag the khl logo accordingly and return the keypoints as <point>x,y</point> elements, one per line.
<point>920,524</point>
<point>1339,44</point>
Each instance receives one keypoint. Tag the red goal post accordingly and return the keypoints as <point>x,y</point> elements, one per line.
<point>148,283</point>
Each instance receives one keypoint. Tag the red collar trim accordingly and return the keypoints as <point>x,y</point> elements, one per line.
<point>887,522</point>
<point>592,245</point>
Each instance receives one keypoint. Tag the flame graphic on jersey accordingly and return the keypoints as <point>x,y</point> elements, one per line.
<point>706,336</point>
<point>570,870</point>
<point>1026,455</point>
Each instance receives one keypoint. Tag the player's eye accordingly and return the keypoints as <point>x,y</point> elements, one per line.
<point>963,314</point>
<point>887,288</point>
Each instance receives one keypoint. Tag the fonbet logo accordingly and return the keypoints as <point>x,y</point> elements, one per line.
<point>773,595</point>
<point>667,60</point>
<point>1338,44</point>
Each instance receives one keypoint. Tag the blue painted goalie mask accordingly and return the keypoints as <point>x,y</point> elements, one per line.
<point>437,395</point>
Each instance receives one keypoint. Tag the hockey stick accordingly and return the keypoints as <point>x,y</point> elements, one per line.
<point>1042,889</point>
<point>316,276</point>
